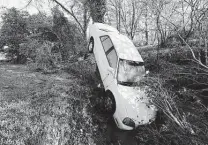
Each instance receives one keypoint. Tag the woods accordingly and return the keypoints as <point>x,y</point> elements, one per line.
<point>171,36</point>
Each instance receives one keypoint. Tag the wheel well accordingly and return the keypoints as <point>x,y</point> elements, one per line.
<point>110,93</point>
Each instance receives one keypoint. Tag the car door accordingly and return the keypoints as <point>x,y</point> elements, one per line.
<point>111,58</point>
<point>99,54</point>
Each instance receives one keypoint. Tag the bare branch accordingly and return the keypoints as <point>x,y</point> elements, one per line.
<point>192,52</point>
<point>28,3</point>
<point>71,13</point>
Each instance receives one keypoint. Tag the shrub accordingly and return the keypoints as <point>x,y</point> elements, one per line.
<point>29,49</point>
<point>43,61</point>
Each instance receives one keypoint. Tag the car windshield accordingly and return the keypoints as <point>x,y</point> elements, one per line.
<point>130,72</point>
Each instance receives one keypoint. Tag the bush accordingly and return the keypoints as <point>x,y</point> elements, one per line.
<point>43,60</point>
<point>29,49</point>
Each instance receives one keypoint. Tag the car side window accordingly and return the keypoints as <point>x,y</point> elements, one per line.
<point>112,58</point>
<point>109,51</point>
<point>106,42</point>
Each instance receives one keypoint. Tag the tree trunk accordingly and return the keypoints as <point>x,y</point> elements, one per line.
<point>204,53</point>
<point>119,16</point>
<point>146,27</point>
<point>133,20</point>
<point>98,10</point>
<point>85,21</point>
<point>206,58</point>
<point>162,41</point>
<point>158,51</point>
<point>17,60</point>
<point>146,33</point>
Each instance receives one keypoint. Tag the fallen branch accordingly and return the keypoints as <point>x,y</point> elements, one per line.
<point>192,52</point>
<point>162,99</point>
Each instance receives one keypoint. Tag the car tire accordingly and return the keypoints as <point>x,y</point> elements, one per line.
<point>91,45</point>
<point>109,103</point>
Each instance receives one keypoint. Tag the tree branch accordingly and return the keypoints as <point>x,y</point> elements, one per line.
<point>192,52</point>
<point>71,13</point>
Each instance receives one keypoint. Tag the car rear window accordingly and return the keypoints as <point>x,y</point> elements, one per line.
<point>106,42</point>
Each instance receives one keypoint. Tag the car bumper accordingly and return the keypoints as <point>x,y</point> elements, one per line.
<point>121,125</point>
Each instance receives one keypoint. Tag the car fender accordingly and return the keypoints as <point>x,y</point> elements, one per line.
<point>108,91</point>
<point>120,110</point>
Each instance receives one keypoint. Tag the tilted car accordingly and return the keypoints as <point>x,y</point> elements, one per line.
<point>120,66</point>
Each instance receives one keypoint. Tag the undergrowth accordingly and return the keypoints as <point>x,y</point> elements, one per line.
<point>175,88</point>
<point>55,108</point>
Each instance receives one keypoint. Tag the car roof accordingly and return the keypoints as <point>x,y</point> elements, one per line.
<point>123,45</point>
<point>105,28</point>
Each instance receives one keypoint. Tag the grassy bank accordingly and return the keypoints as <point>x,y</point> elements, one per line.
<point>41,109</point>
<point>65,107</point>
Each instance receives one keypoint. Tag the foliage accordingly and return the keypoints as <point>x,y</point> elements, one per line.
<point>97,10</point>
<point>67,33</point>
<point>178,82</point>
<point>38,23</point>
<point>14,30</point>
<point>42,59</point>
<point>29,48</point>
<point>24,34</point>
<point>176,89</point>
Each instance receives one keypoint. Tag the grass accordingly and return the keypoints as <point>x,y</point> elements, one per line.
<point>64,108</point>
<point>41,109</point>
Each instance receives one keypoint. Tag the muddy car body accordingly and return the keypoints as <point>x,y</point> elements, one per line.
<point>120,66</point>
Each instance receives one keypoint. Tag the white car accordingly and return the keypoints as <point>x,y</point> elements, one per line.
<point>120,66</point>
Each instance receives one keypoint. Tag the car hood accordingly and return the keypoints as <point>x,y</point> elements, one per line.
<point>137,104</point>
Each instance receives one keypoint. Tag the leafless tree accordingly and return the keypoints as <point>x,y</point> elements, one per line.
<point>128,14</point>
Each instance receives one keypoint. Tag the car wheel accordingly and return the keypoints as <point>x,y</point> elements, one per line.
<point>109,103</point>
<point>91,45</point>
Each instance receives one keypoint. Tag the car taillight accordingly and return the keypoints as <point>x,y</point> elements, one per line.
<point>129,122</point>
